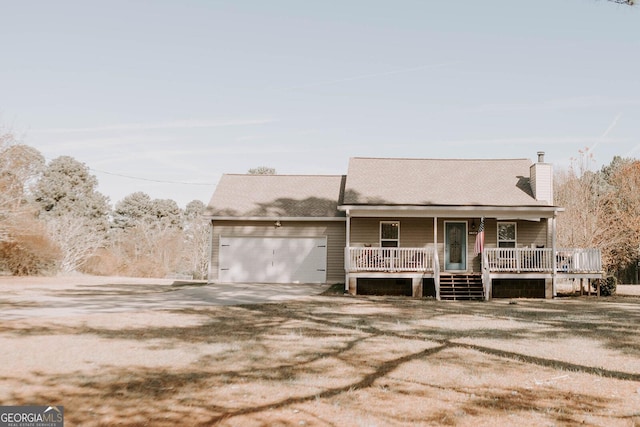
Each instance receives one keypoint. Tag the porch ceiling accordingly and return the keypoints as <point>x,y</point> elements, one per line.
<point>528,213</point>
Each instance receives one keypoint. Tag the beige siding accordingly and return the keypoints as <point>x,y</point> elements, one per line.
<point>335,232</point>
<point>365,231</point>
<point>527,233</point>
<point>418,232</point>
<point>532,233</point>
<point>414,232</point>
<point>542,182</point>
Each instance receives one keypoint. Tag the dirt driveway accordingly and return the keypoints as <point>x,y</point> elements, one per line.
<point>134,356</point>
<point>28,297</point>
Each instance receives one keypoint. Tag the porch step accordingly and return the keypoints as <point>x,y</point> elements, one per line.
<point>458,287</point>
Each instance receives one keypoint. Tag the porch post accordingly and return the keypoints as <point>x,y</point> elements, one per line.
<point>210,252</point>
<point>486,275</point>
<point>553,261</point>
<point>436,258</point>
<point>347,259</point>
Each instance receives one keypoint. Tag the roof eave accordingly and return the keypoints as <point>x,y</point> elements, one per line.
<point>455,210</point>
<point>275,218</point>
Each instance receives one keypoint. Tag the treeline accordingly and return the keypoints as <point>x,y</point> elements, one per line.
<point>53,220</point>
<point>602,210</point>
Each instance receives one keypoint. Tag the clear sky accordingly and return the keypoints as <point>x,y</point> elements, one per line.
<point>183,91</point>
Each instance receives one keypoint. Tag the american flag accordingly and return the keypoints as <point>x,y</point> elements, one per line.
<point>479,246</point>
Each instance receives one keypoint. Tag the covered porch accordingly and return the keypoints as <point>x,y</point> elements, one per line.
<point>495,260</point>
<point>440,257</point>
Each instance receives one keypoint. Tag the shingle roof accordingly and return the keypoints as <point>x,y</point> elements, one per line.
<point>277,196</point>
<point>372,181</point>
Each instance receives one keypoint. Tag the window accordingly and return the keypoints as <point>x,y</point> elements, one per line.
<point>506,234</point>
<point>389,234</point>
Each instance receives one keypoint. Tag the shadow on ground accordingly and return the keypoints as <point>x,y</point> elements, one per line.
<point>339,360</point>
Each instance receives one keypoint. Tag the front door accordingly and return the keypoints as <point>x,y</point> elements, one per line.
<point>455,246</point>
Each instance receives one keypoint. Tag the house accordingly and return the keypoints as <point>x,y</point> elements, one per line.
<point>449,229</point>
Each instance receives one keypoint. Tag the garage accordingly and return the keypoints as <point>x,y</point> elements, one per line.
<point>273,259</point>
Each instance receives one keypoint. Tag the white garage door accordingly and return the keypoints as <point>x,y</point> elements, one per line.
<point>273,259</point>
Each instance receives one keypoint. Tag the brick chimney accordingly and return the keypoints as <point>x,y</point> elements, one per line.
<point>541,179</point>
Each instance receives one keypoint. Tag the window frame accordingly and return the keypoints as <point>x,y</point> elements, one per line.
<point>513,241</point>
<point>381,239</point>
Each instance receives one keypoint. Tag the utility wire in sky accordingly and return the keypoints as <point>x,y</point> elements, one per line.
<point>151,180</point>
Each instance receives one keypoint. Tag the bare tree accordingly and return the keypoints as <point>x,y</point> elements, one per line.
<point>28,250</point>
<point>623,213</point>
<point>602,209</point>
<point>196,240</point>
<point>147,239</point>
<point>24,244</point>
<point>20,166</point>
<point>76,241</point>
<point>584,222</point>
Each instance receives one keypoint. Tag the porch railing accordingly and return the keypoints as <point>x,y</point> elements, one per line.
<point>541,260</point>
<point>578,260</point>
<point>390,259</point>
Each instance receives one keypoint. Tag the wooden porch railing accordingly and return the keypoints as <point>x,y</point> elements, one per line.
<point>536,260</point>
<point>541,260</point>
<point>390,259</point>
<point>578,260</point>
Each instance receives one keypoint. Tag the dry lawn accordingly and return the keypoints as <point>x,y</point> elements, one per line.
<point>334,361</point>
